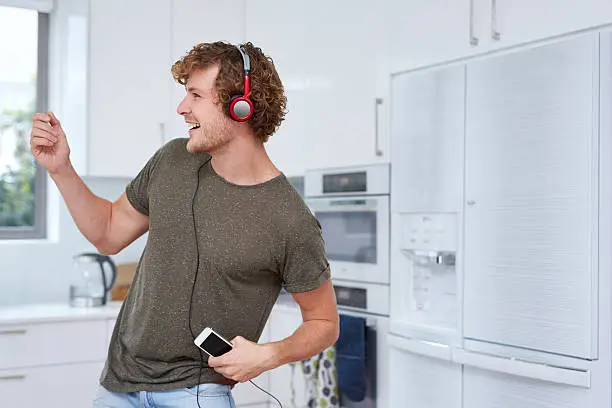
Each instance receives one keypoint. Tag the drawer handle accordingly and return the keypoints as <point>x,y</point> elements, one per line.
<point>17,331</point>
<point>420,347</point>
<point>536,371</point>
<point>12,377</point>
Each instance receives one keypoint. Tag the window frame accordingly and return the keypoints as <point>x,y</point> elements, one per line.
<point>39,230</point>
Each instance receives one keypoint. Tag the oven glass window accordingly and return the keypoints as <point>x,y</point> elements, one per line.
<point>349,236</point>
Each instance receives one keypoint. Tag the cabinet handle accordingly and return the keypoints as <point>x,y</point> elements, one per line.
<point>420,347</point>
<point>162,132</point>
<point>377,101</point>
<point>12,377</point>
<point>535,371</point>
<point>17,331</point>
<point>473,38</point>
<point>494,33</point>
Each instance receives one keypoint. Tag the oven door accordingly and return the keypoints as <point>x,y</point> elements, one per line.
<point>376,376</point>
<point>356,234</point>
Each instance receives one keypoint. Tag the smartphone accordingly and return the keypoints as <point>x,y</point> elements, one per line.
<point>212,343</point>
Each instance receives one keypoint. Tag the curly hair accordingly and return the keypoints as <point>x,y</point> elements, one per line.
<point>267,91</point>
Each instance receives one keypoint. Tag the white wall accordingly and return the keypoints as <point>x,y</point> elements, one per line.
<point>37,271</point>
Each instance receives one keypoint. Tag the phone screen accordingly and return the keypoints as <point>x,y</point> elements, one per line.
<point>214,345</point>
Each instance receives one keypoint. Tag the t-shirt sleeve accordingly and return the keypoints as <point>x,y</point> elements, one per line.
<point>306,267</point>
<point>137,190</point>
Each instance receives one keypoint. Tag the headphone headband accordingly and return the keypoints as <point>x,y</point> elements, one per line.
<point>245,59</point>
<point>240,107</point>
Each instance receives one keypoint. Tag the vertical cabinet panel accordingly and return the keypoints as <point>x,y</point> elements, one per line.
<point>427,136</point>
<point>128,84</point>
<point>530,226</point>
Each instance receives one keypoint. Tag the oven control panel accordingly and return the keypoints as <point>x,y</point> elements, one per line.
<point>362,297</point>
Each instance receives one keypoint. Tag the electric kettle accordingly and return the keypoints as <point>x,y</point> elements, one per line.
<point>90,284</point>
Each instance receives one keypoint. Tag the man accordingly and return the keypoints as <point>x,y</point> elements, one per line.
<point>226,232</point>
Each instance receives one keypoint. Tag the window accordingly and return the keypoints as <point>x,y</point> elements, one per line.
<point>23,90</point>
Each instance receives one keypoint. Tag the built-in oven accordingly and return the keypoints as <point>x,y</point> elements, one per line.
<point>362,383</point>
<point>352,206</point>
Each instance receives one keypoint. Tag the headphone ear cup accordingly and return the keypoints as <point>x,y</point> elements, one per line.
<point>228,108</point>
<point>240,108</point>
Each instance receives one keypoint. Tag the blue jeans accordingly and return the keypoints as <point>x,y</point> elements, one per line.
<point>210,396</point>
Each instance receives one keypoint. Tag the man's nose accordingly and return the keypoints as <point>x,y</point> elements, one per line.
<point>182,108</point>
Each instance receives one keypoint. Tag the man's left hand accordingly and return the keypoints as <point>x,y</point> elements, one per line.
<point>245,361</point>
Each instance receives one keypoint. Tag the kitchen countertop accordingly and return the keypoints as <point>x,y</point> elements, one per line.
<point>54,312</point>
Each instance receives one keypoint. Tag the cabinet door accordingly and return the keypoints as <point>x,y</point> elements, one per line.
<point>195,22</point>
<point>273,26</point>
<point>334,72</point>
<point>128,84</point>
<point>287,382</point>
<point>486,389</point>
<point>74,341</point>
<point>427,32</point>
<point>61,386</point>
<point>419,381</point>
<point>427,136</point>
<point>522,21</point>
<point>530,276</point>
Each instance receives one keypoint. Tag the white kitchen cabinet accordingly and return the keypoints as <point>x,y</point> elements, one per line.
<point>129,91</point>
<point>66,374</point>
<point>58,386</point>
<point>195,22</point>
<point>52,354</point>
<point>427,136</point>
<point>422,375</point>
<point>423,33</point>
<point>73,342</point>
<point>523,21</point>
<point>530,275</point>
<point>287,382</point>
<point>487,389</point>
<point>334,68</point>
<point>433,32</point>
<point>273,26</point>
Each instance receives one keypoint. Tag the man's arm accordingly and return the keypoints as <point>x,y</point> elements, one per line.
<point>110,227</point>
<point>319,330</point>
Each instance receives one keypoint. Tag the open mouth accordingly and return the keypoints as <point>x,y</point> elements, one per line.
<point>193,126</point>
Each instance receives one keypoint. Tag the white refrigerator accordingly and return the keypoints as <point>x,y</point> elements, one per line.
<point>501,232</point>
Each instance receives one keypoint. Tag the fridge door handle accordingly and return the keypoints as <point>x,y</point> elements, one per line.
<point>420,347</point>
<point>536,371</point>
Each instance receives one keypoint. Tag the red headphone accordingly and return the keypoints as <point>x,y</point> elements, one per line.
<point>240,108</point>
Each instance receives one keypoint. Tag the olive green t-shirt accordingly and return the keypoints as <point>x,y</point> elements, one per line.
<point>251,240</point>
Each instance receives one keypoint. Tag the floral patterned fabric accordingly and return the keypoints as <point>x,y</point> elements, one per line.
<point>321,379</point>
